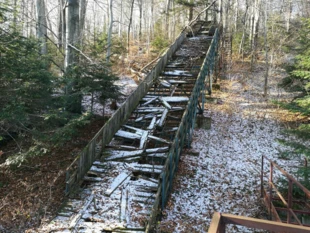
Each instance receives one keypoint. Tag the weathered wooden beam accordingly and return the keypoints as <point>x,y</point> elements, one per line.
<point>157,150</point>
<point>124,200</point>
<point>159,139</point>
<point>263,224</point>
<point>157,155</point>
<point>128,135</point>
<point>77,217</point>
<point>118,154</point>
<point>163,118</point>
<point>177,73</point>
<point>147,168</point>
<point>172,99</point>
<point>177,81</point>
<point>152,124</point>
<point>143,139</point>
<point>148,116</point>
<point>116,182</point>
<point>150,101</point>
<point>164,83</point>
<point>165,103</point>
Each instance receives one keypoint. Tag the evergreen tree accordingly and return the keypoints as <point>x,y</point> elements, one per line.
<point>299,80</point>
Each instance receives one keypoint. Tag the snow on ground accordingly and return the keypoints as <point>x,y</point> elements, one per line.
<point>221,172</point>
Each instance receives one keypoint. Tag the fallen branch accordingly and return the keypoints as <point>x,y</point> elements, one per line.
<point>70,45</point>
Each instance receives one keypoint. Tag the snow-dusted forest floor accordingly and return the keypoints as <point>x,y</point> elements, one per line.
<point>221,170</point>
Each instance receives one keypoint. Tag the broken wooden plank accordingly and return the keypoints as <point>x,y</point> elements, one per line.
<point>118,154</point>
<point>164,83</point>
<point>177,73</point>
<point>77,217</point>
<point>150,101</point>
<point>143,139</point>
<point>128,135</point>
<point>163,118</point>
<point>132,159</point>
<point>159,139</point>
<point>148,116</point>
<point>124,200</point>
<point>138,131</point>
<point>165,103</point>
<point>147,168</point>
<point>116,182</point>
<point>96,168</point>
<point>158,155</point>
<point>152,124</point>
<point>172,99</point>
<point>176,81</point>
<point>121,147</point>
<point>175,109</point>
<point>174,129</point>
<point>157,150</point>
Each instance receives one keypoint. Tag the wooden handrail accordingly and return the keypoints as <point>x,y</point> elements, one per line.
<point>219,222</point>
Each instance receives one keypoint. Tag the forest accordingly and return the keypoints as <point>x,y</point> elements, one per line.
<point>60,60</point>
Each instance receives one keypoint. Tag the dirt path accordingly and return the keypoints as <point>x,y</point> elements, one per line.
<point>223,172</point>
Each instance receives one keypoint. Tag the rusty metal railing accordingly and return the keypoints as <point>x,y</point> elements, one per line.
<point>219,222</point>
<point>273,194</point>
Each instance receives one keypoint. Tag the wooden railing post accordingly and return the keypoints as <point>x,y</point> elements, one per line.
<point>270,189</point>
<point>262,179</point>
<point>289,200</point>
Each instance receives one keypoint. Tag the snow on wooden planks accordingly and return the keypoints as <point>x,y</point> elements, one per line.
<point>116,182</point>
<point>172,99</point>
<point>126,134</point>
<point>119,154</point>
<point>115,155</point>
<point>147,168</point>
<point>178,73</point>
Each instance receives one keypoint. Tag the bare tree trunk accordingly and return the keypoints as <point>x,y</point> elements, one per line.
<point>191,11</point>
<point>288,15</point>
<point>71,54</point>
<point>129,26</point>
<point>120,25</point>
<point>41,26</point>
<point>257,7</point>
<point>110,31</point>
<point>72,32</point>
<point>83,6</point>
<point>152,17</point>
<point>140,4</point>
<point>236,6</point>
<point>15,16</point>
<point>207,12</point>
<point>167,17</point>
<point>266,51</point>
<point>220,10</point>
<point>244,22</point>
<point>62,25</point>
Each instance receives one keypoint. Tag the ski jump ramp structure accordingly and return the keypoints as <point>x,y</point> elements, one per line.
<point>122,178</point>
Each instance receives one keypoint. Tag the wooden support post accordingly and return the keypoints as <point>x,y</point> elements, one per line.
<point>262,179</point>
<point>270,189</point>
<point>289,200</point>
<point>163,191</point>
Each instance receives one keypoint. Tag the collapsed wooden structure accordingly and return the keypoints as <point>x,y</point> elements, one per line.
<point>125,173</point>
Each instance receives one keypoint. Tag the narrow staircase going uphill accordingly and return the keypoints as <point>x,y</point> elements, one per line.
<point>123,189</point>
